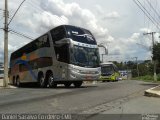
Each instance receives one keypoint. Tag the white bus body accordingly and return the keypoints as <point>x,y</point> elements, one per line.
<point>64,55</point>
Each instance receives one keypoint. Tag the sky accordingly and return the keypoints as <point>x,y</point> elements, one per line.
<point>117,24</point>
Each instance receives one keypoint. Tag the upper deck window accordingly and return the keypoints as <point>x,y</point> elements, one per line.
<point>80,35</point>
<point>58,33</point>
<point>41,42</point>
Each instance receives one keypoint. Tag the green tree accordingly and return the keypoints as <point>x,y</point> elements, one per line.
<point>156,55</point>
<point>156,52</point>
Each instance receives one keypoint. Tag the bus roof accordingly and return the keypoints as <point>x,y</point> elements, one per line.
<point>44,34</point>
<point>69,26</point>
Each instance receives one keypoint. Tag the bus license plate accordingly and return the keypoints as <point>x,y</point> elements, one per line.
<point>88,77</point>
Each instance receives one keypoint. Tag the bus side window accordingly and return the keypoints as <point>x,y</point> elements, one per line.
<point>62,53</point>
<point>58,33</point>
<point>42,42</point>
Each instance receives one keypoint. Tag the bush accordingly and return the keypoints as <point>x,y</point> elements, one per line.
<point>158,77</point>
<point>147,77</point>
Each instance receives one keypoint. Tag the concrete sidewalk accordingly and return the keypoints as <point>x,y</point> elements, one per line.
<point>1,83</point>
<point>9,86</point>
<point>153,92</point>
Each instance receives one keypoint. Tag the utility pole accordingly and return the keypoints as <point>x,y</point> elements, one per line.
<point>137,66</point>
<point>5,81</point>
<point>154,62</point>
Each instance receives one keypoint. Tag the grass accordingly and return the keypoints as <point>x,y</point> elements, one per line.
<point>147,78</point>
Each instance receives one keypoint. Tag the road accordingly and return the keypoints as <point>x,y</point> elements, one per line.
<point>122,97</point>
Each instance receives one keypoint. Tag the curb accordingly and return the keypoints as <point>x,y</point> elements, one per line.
<point>153,92</point>
<point>9,87</point>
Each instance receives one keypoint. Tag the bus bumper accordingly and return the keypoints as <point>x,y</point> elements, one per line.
<point>83,77</point>
<point>77,76</point>
<point>108,78</point>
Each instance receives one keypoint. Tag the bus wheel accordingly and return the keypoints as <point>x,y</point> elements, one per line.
<point>18,83</point>
<point>78,84</point>
<point>42,81</point>
<point>14,81</point>
<point>67,84</point>
<point>51,81</point>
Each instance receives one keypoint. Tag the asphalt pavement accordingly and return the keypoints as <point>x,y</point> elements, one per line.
<point>122,97</point>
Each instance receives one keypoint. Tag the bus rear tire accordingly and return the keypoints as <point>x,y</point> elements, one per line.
<point>14,81</point>
<point>78,84</point>
<point>42,82</point>
<point>18,83</point>
<point>51,81</point>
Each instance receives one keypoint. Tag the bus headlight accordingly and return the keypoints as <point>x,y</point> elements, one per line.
<point>76,70</point>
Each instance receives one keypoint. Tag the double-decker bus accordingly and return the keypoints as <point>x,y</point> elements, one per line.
<point>64,55</point>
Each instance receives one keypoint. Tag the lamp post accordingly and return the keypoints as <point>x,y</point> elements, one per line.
<point>106,50</point>
<point>137,65</point>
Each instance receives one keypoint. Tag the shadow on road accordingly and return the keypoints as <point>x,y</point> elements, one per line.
<point>149,84</point>
<point>35,86</point>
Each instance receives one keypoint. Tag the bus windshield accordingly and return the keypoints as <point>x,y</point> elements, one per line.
<point>107,69</point>
<point>84,56</point>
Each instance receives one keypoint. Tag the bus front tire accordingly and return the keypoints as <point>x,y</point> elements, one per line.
<point>51,81</point>
<point>78,84</point>
<point>42,81</point>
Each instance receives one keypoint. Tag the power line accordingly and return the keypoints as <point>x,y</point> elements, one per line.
<point>147,14</point>
<point>40,9</point>
<point>158,5</point>
<point>144,14</point>
<point>36,8</point>
<point>16,12</point>
<point>20,34</point>
<point>9,15</point>
<point>144,46</point>
<point>143,11</point>
<point>153,9</point>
